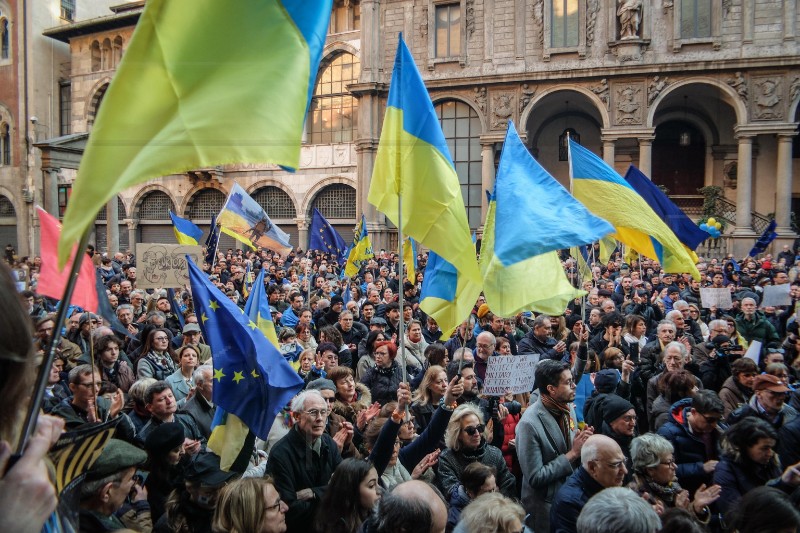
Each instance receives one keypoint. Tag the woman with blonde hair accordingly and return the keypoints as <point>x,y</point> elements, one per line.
<point>250,505</point>
<point>426,398</point>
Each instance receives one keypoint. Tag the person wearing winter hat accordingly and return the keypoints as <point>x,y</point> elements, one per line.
<point>617,420</point>
<point>165,455</point>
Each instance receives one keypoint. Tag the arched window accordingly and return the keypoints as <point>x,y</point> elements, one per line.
<point>95,56</point>
<point>102,215</point>
<point>94,104</point>
<point>334,112</point>
<point>155,206</point>
<point>205,204</point>
<point>275,202</point>
<point>5,144</point>
<point>117,46</point>
<point>462,129</point>
<point>336,201</point>
<point>106,55</point>
<point>5,38</point>
<point>6,208</point>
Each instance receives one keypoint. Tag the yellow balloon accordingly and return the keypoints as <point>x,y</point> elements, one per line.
<point>718,225</point>
<point>712,221</point>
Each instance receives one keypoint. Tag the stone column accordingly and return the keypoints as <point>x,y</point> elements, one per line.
<point>487,174</point>
<point>302,233</point>
<point>370,40</point>
<point>646,156</point>
<point>708,175</point>
<point>51,196</point>
<point>744,185</point>
<point>132,224</point>
<point>783,186</point>
<point>112,226</point>
<point>608,152</point>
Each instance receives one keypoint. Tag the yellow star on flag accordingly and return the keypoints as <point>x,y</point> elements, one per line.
<point>218,375</point>
<point>252,325</point>
<point>203,317</point>
<point>254,374</point>
<point>213,305</point>
<point>237,377</point>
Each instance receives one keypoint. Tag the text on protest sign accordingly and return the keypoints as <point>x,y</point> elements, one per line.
<point>163,266</point>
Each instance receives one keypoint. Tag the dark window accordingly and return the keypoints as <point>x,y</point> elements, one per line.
<point>5,144</point>
<point>448,30</point>
<point>205,204</point>
<point>155,206</point>
<point>68,10</point>
<point>4,39</point>
<point>275,202</point>
<point>64,192</point>
<point>336,201</point>
<point>695,19</point>
<point>65,101</point>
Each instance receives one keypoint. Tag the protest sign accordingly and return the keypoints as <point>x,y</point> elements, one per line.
<point>719,298</point>
<point>162,266</point>
<point>510,374</point>
<point>776,296</point>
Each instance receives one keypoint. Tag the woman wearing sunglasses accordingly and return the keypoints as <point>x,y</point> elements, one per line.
<point>466,444</point>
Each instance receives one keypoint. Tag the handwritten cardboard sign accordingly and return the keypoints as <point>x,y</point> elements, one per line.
<point>719,298</point>
<point>163,266</point>
<point>508,373</point>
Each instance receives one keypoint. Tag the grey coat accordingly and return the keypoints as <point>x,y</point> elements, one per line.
<point>541,449</point>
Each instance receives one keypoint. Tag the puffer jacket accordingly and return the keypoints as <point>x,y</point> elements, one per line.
<point>383,382</point>
<point>546,349</point>
<point>759,328</point>
<point>458,500</point>
<point>690,450</point>
<point>452,464</point>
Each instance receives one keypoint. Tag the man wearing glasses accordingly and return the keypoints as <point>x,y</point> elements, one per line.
<point>602,467</point>
<point>302,462</point>
<point>768,402</point>
<point>693,429</point>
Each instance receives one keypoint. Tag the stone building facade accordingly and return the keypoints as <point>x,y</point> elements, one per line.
<point>696,93</point>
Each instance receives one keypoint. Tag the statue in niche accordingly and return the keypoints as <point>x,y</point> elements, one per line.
<point>654,89</point>
<point>601,91</point>
<point>767,100</point>
<point>630,16</point>
<point>628,106</point>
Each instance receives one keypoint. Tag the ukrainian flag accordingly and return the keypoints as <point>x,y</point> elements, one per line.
<point>537,283</point>
<point>213,83</point>
<point>447,296</point>
<point>413,161</point>
<point>245,220</point>
<point>257,308</point>
<point>607,195</point>
<point>360,251</point>
<point>185,231</point>
<point>410,258</point>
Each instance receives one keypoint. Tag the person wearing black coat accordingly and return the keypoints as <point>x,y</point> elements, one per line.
<point>539,341</point>
<point>383,379</point>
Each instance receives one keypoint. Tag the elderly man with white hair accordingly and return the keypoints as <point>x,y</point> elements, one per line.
<point>753,325</point>
<point>602,466</point>
<point>303,461</point>
<point>618,510</point>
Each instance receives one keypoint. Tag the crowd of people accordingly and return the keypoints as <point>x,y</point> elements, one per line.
<point>650,412</point>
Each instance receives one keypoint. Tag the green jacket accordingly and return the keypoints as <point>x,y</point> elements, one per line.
<point>759,329</point>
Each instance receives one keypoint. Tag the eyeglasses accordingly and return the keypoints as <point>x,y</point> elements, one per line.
<point>472,430</point>
<point>615,465</point>
<point>273,507</point>
<point>712,420</point>
<point>317,413</point>
<point>671,463</point>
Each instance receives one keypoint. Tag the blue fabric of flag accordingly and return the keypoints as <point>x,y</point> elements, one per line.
<point>529,197</point>
<point>185,230</point>
<point>212,240</point>
<point>681,225</point>
<point>323,237</point>
<point>252,380</point>
<point>766,238</point>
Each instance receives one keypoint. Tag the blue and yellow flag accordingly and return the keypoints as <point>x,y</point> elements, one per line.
<point>413,162</point>
<point>245,220</point>
<point>257,309</point>
<point>323,237</point>
<point>529,197</point>
<point>606,194</point>
<point>536,283</point>
<point>360,251</point>
<point>410,258</point>
<point>247,282</point>
<point>239,94</point>
<point>185,230</point>
<point>252,380</point>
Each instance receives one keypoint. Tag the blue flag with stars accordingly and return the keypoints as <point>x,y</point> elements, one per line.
<point>252,380</point>
<point>326,239</point>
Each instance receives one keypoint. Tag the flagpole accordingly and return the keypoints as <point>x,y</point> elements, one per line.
<point>398,170</point>
<point>50,351</point>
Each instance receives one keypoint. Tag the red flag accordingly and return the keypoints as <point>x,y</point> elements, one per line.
<point>52,281</point>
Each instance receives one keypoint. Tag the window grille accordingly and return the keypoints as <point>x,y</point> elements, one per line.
<point>206,203</point>
<point>336,201</point>
<point>275,202</point>
<point>6,208</point>
<point>155,206</point>
<point>120,210</point>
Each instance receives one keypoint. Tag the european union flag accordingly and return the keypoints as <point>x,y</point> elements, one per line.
<point>767,237</point>
<point>212,240</point>
<point>252,380</point>
<point>324,238</point>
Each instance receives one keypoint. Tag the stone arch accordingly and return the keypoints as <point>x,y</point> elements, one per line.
<point>93,104</point>
<point>727,95</point>
<point>116,46</point>
<point>710,133</point>
<point>121,207</point>
<point>308,200</point>
<point>140,195</point>
<point>11,197</point>
<point>214,197</point>
<point>793,105</point>
<point>6,43</point>
<point>261,184</point>
<point>96,60</point>
<point>592,97</point>
<point>335,48</point>
<point>440,98</point>
<point>189,196</point>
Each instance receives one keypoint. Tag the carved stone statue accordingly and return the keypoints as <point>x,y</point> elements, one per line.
<point>503,109</point>
<point>630,16</point>
<point>739,83</point>
<point>654,89</point>
<point>767,100</point>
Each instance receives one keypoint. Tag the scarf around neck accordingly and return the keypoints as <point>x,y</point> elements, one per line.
<point>562,415</point>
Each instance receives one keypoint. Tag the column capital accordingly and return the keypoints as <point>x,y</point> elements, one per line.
<point>786,136</point>
<point>132,223</point>
<point>647,140</point>
<point>745,137</point>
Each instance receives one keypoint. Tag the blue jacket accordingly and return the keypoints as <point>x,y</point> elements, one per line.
<point>570,499</point>
<point>690,450</point>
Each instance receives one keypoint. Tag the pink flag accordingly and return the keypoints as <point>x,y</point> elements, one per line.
<point>52,281</point>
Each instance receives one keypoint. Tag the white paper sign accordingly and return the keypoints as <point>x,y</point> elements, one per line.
<point>754,351</point>
<point>509,373</point>
<point>163,266</point>
<point>776,296</point>
<point>719,298</point>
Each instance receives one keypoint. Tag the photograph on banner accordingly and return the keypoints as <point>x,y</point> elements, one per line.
<point>163,266</point>
<point>776,296</point>
<point>514,374</point>
<point>719,298</point>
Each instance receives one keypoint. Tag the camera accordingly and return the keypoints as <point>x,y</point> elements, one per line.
<point>722,351</point>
